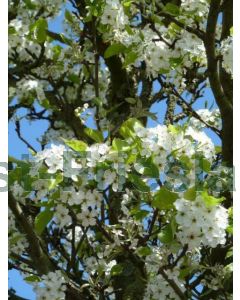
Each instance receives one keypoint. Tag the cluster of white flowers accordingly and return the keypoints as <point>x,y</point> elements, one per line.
<point>52,156</point>
<point>94,264</point>
<point>161,142</point>
<point>90,208</point>
<point>227,52</point>
<point>58,133</point>
<point>18,243</point>
<point>157,52</point>
<point>199,8</point>
<point>216,278</point>
<point>18,191</point>
<point>96,153</point>
<point>62,216</point>
<point>209,117</point>
<point>159,288</point>
<point>200,224</point>
<point>28,88</point>
<point>220,179</point>
<point>156,259</point>
<point>113,14</point>
<point>53,286</point>
<point>41,188</point>
<point>88,201</point>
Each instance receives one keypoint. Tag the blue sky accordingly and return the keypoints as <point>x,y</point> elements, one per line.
<point>32,131</point>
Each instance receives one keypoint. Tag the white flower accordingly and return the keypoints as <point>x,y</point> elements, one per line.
<point>87,218</point>
<point>17,190</point>
<point>52,286</point>
<point>91,264</point>
<point>62,216</point>
<point>227,51</point>
<point>41,186</point>
<point>109,177</point>
<point>78,234</point>
<point>96,153</point>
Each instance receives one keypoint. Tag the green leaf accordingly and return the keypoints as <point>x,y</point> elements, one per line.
<point>74,78</point>
<point>76,145</point>
<point>144,251</point>
<point>39,30</point>
<point>32,278</point>
<point>94,135</point>
<point>146,167</point>
<point>210,200</point>
<point>116,270</point>
<point>229,229</point>
<point>120,145</point>
<point>205,165</point>
<point>114,49</point>
<point>190,194</point>
<point>55,181</point>
<point>175,61</point>
<point>164,199</point>
<point>69,16</point>
<point>11,30</point>
<point>45,103</point>
<point>218,149</point>
<point>139,214</point>
<point>138,183</point>
<point>166,235</point>
<point>29,4</point>
<point>185,272</point>
<point>42,219</point>
<point>130,58</point>
<point>229,253</point>
<point>129,29</point>
<point>65,39</point>
<point>127,3</point>
<point>171,9</point>
<point>131,100</point>
<point>174,129</point>
<point>129,127</point>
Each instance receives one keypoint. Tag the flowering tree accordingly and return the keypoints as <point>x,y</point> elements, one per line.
<point>110,208</point>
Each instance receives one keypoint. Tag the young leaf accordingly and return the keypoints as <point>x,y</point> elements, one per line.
<point>94,135</point>
<point>166,235</point>
<point>116,270</point>
<point>190,194</point>
<point>138,183</point>
<point>144,251</point>
<point>146,167</point>
<point>114,49</point>
<point>130,58</point>
<point>39,30</point>
<point>42,219</point>
<point>69,16</point>
<point>164,199</point>
<point>76,145</point>
<point>171,9</point>
<point>128,127</point>
<point>120,145</point>
<point>210,200</point>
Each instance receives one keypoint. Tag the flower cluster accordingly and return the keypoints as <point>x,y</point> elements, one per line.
<point>113,15</point>
<point>227,52</point>
<point>53,286</point>
<point>159,288</point>
<point>200,224</point>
